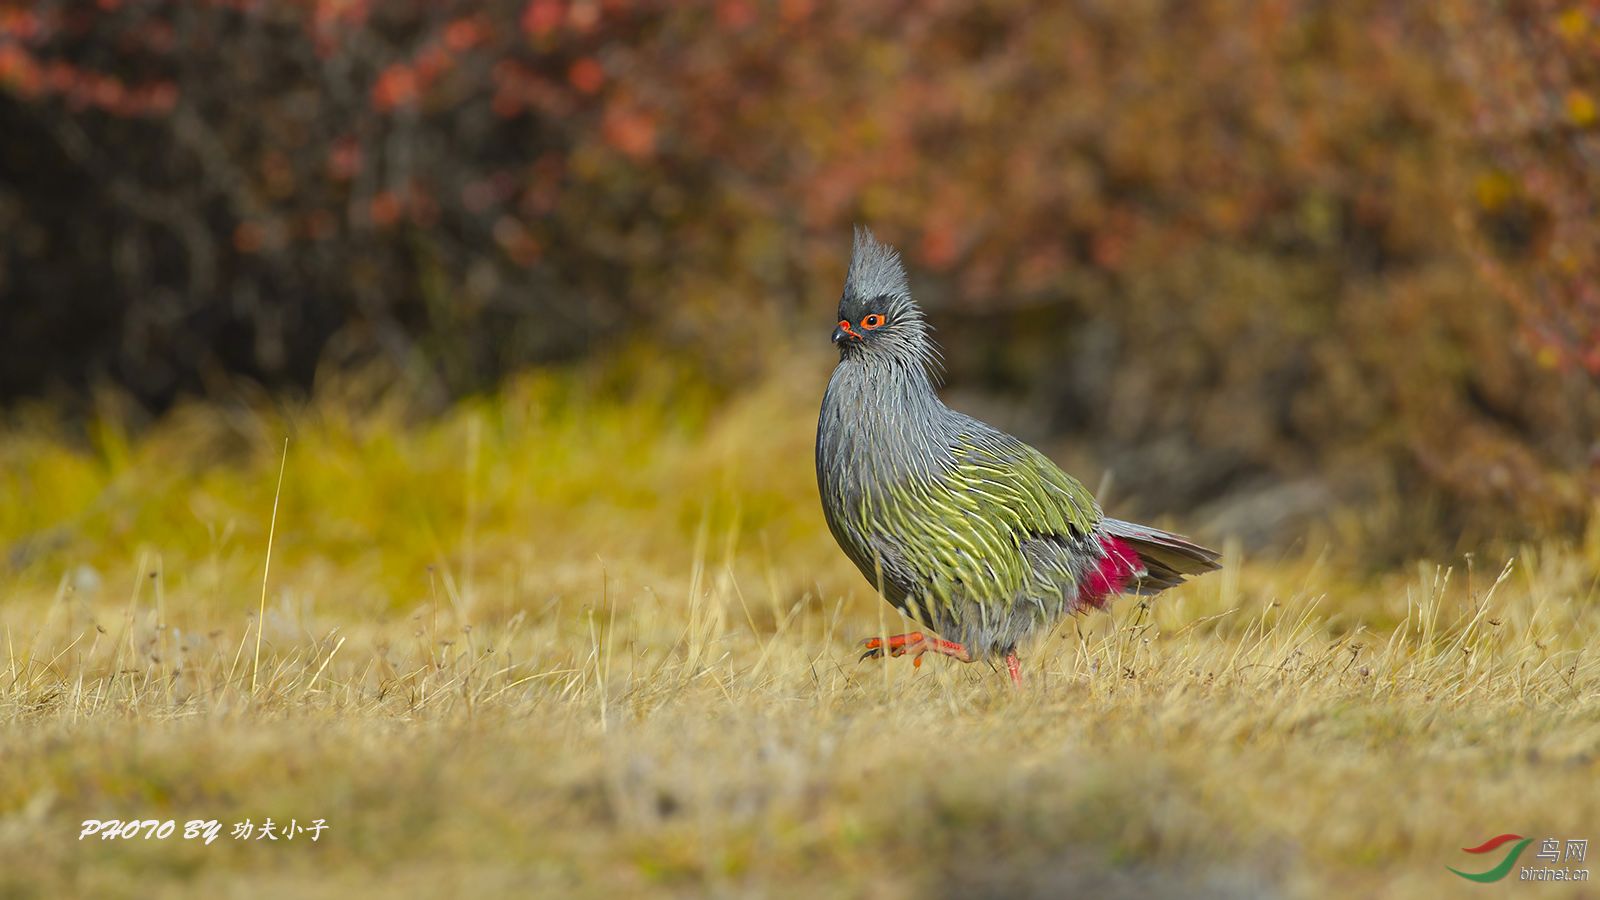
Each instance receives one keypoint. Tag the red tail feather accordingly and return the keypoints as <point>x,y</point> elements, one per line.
<point>1116,568</point>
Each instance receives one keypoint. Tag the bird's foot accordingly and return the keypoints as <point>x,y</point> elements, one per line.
<point>1014,667</point>
<point>915,643</point>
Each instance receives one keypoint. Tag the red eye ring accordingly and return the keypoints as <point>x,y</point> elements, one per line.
<point>872,321</point>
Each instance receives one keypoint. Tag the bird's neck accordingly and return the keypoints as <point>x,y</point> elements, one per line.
<point>881,418</point>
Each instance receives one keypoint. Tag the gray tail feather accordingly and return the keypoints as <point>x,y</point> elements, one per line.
<point>1167,557</point>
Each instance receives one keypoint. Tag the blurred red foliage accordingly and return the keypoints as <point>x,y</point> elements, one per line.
<point>1533,71</point>
<point>1226,245</point>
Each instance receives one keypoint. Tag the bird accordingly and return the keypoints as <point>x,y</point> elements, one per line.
<point>970,532</point>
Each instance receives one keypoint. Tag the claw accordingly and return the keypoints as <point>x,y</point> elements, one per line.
<point>898,645</point>
<point>915,643</point>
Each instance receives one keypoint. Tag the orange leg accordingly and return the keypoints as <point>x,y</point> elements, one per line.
<point>1014,666</point>
<point>915,643</point>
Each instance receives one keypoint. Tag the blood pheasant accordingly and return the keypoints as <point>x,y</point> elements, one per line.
<point>969,531</point>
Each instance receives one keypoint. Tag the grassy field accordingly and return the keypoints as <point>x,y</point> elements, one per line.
<point>583,638</point>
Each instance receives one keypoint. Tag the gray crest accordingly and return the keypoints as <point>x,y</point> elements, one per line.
<point>875,269</point>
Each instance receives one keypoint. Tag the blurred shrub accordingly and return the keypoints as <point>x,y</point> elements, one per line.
<point>1231,247</point>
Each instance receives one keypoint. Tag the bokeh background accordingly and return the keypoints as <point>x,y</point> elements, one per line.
<point>407,416</point>
<point>1244,262</point>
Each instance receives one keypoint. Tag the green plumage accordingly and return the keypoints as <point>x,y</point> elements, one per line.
<point>961,531</point>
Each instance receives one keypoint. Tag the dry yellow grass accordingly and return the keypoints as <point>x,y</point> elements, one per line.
<point>578,639</point>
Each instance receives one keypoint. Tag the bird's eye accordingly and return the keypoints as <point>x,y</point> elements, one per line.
<point>872,321</point>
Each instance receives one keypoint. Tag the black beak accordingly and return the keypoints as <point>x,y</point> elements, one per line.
<point>840,336</point>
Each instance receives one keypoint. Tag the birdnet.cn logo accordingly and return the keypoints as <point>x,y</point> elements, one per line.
<point>1552,862</point>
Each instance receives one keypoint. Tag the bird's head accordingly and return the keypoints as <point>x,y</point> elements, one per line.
<point>877,317</point>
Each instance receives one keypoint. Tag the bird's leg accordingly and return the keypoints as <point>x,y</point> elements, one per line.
<point>1014,666</point>
<point>915,643</point>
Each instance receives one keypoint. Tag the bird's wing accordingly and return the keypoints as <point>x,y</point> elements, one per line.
<point>964,532</point>
<point>1024,487</point>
